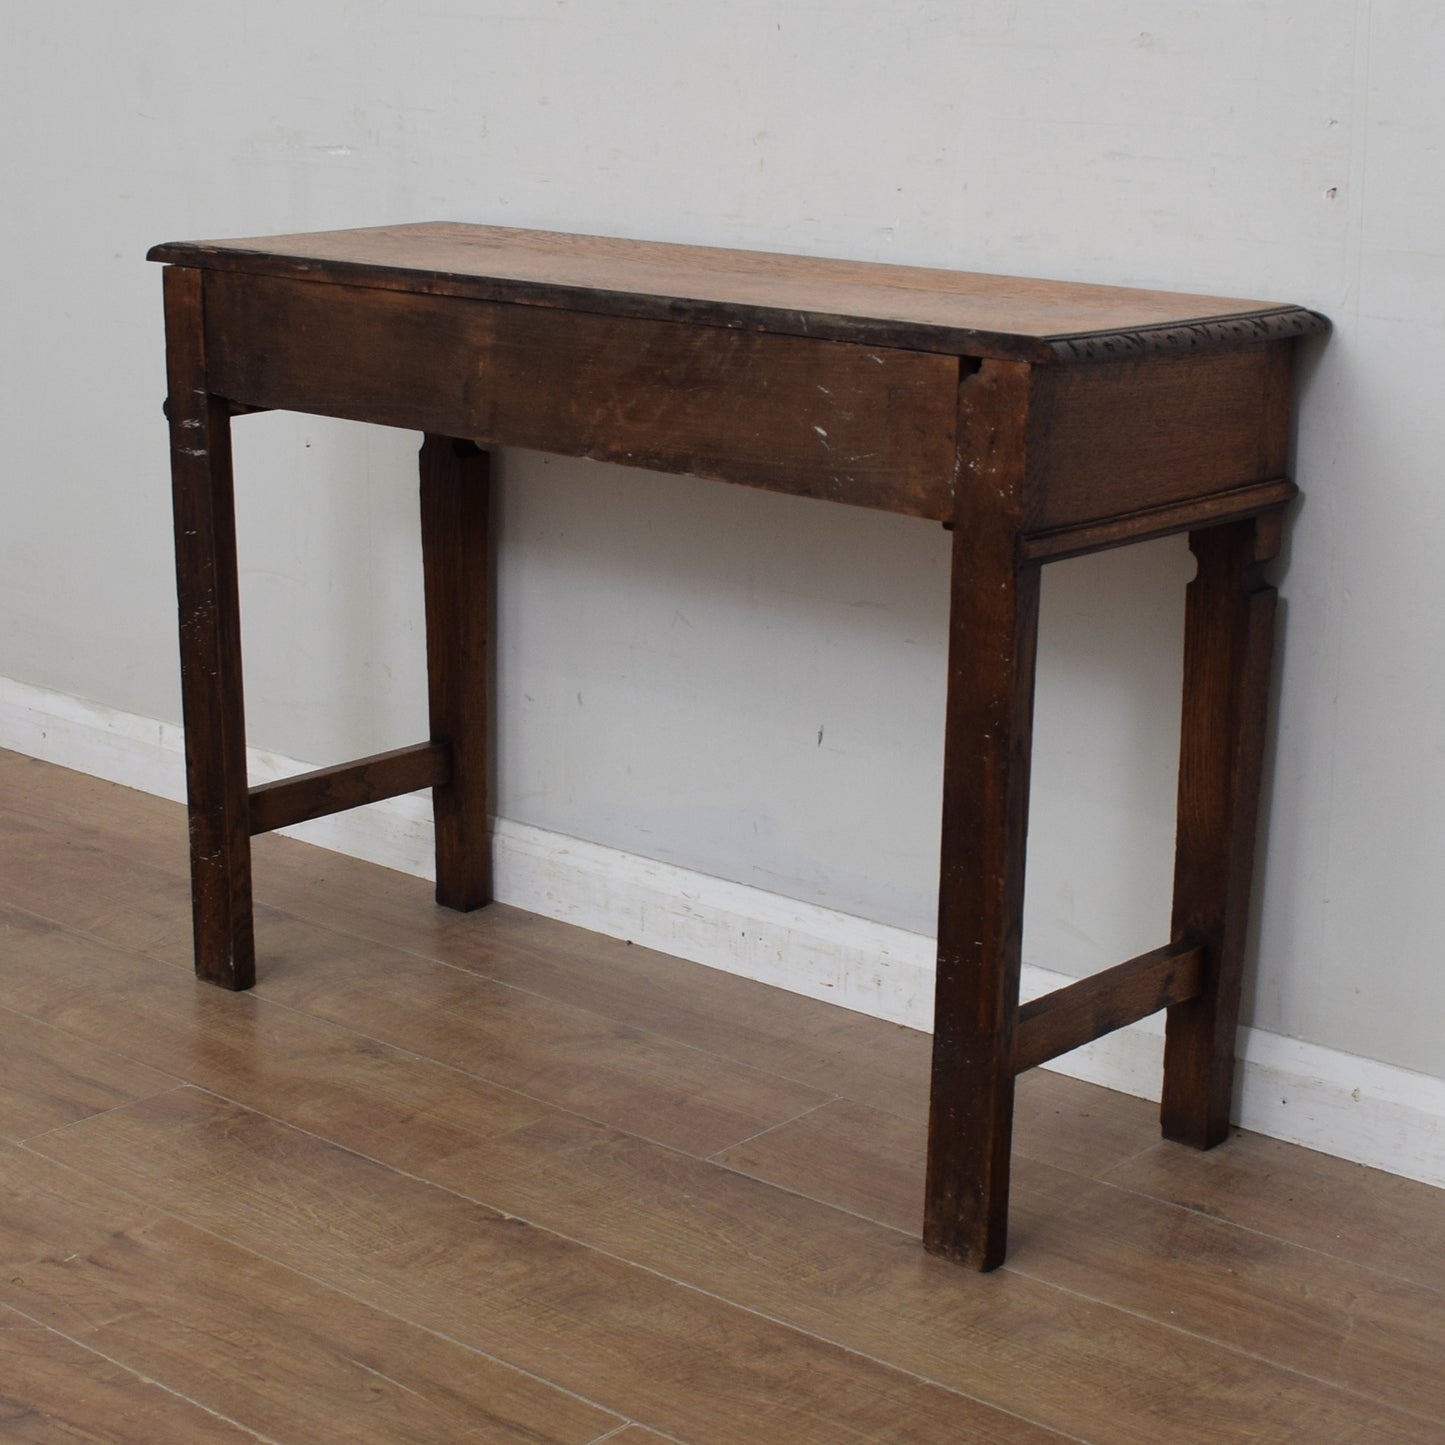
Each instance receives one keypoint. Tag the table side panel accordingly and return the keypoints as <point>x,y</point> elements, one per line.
<point>870,426</point>
<point>1113,438</point>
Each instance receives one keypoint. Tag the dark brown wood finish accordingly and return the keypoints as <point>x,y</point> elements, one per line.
<point>866,425</point>
<point>1092,1007</point>
<point>210,629</point>
<point>993,629</point>
<point>957,313</point>
<point>1228,643</point>
<point>1038,419</point>
<point>1131,436</point>
<point>1231,506</point>
<point>456,556</point>
<point>349,785</point>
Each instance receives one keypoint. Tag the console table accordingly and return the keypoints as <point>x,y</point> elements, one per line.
<point>1036,419</point>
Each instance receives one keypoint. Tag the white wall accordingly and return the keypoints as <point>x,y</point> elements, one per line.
<point>745,684</point>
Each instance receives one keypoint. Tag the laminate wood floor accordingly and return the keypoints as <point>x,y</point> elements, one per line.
<point>492,1178</point>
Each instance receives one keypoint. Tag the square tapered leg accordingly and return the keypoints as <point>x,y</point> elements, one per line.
<point>455,490</point>
<point>210,637</point>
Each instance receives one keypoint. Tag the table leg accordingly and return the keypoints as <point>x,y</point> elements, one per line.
<point>455,487</point>
<point>210,636</point>
<point>993,628</point>
<point>1228,642</point>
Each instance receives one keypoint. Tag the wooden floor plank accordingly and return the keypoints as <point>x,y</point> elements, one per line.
<point>1093,1363</point>
<point>764,1028</point>
<point>262,1345</point>
<point>1051,1354</point>
<point>381,1104</point>
<point>832,1050</point>
<point>1255,1292</point>
<point>49,1078</point>
<point>1341,1209</point>
<point>515,1040</point>
<point>849,1155</point>
<point>315,1074</point>
<point>95,884</point>
<point>53,1390</point>
<point>86,809</point>
<point>636,1435</point>
<point>1327,1318</point>
<point>512,1173</point>
<point>1374,1334</point>
<point>669,1357</point>
<point>572,1057</point>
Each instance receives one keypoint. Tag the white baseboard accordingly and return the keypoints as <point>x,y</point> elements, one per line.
<point>1359,1109</point>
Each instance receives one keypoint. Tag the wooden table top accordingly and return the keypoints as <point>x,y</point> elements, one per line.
<point>954,312</point>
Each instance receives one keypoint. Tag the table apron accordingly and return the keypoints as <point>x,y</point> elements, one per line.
<point>1121,437</point>
<point>872,426</point>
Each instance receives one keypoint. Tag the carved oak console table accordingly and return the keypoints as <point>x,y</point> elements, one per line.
<point>1038,420</point>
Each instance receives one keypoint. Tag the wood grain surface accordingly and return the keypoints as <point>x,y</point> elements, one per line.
<point>316,1211</point>
<point>257,1343</point>
<point>348,785</point>
<point>921,308</point>
<point>1131,436</point>
<point>456,552</point>
<point>207,590</point>
<point>53,1389</point>
<point>872,426</point>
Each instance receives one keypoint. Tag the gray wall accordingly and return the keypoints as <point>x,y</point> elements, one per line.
<point>747,684</point>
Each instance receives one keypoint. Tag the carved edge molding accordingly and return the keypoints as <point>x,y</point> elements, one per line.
<point>1275,324</point>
